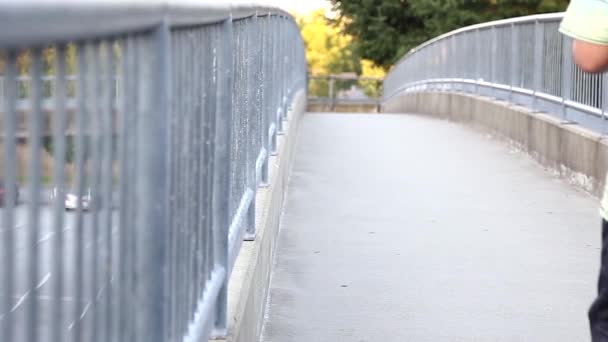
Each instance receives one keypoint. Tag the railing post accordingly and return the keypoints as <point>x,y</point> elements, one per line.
<point>222,167</point>
<point>455,66</point>
<point>152,221</point>
<point>9,170</point>
<point>273,131</point>
<point>515,50</point>
<point>479,59</point>
<point>604,90</point>
<point>567,69</point>
<point>252,112</point>
<point>539,62</point>
<point>285,70</point>
<point>278,86</point>
<point>266,123</point>
<point>493,64</point>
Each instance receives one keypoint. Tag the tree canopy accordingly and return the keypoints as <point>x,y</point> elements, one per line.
<point>329,51</point>
<point>384,30</point>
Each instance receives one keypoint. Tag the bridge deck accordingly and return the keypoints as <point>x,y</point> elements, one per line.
<point>404,228</point>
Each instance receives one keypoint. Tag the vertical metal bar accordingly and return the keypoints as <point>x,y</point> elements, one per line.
<point>182,44</point>
<point>478,60</point>
<point>107,180</point>
<point>494,65</point>
<point>221,171</point>
<point>34,177</point>
<point>551,83</point>
<point>59,151</point>
<point>174,233</point>
<point>453,67</point>
<point>513,56</point>
<point>186,117</point>
<point>152,224</point>
<point>277,88</point>
<point>127,123</point>
<point>604,94</point>
<point>539,63</point>
<point>191,179</point>
<point>274,32</point>
<point>134,170</point>
<point>265,98</point>
<point>285,68</point>
<point>201,145</point>
<point>10,178</point>
<point>209,124</point>
<point>547,72</point>
<point>516,47</point>
<point>81,151</point>
<point>95,92</point>
<point>110,170</point>
<point>567,69</point>
<point>252,135</point>
<point>260,110</point>
<point>195,155</point>
<point>578,80</point>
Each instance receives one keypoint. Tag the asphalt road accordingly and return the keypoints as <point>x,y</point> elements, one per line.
<point>92,250</point>
<point>405,228</point>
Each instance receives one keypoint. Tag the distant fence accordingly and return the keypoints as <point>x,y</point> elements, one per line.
<point>166,165</point>
<point>332,91</point>
<point>522,60</point>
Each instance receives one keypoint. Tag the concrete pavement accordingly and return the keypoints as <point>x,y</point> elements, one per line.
<point>404,228</point>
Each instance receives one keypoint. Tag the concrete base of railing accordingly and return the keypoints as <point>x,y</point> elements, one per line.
<point>571,151</point>
<point>250,280</point>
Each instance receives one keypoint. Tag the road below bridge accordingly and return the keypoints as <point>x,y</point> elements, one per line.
<point>94,251</point>
<point>405,228</point>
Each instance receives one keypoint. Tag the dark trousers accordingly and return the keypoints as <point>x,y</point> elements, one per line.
<point>598,314</point>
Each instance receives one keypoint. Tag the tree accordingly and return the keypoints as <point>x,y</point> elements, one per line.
<point>384,30</point>
<point>328,50</point>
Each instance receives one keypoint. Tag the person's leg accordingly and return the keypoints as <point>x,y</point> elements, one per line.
<point>598,314</point>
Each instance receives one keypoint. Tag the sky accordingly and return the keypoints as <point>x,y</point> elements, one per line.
<point>300,6</point>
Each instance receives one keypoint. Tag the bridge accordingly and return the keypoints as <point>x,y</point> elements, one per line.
<point>221,209</point>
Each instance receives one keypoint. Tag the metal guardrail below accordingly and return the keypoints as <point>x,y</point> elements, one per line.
<point>161,173</point>
<point>335,90</point>
<point>522,60</point>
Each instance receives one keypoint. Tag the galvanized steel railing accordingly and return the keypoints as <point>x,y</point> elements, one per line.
<point>522,60</point>
<point>171,158</point>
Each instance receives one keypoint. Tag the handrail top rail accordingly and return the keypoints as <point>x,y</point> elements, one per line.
<point>495,23</point>
<point>27,23</point>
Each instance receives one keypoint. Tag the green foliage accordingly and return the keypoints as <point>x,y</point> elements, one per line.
<point>384,30</point>
<point>328,50</point>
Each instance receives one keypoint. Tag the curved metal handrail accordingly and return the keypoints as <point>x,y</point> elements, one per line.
<point>523,60</point>
<point>34,22</point>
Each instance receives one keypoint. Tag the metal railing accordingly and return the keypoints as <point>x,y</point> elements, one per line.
<point>334,90</point>
<point>522,60</point>
<point>161,174</point>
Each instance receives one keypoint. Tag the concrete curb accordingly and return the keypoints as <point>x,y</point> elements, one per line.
<point>571,151</point>
<point>250,279</point>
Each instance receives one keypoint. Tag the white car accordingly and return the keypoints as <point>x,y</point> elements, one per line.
<point>70,199</point>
